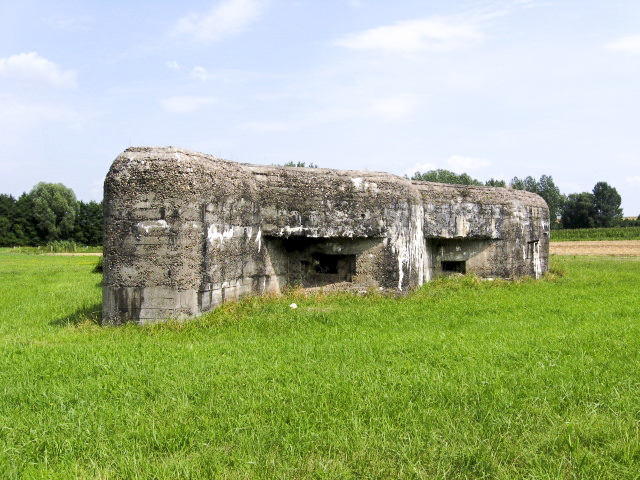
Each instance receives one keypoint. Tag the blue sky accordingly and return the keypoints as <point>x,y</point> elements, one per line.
<point>491,88</point>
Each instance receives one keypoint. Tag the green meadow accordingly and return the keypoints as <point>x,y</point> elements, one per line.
<point>461,379</point>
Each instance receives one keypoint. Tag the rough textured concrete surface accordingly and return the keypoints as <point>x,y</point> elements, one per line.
<point>185,232</point>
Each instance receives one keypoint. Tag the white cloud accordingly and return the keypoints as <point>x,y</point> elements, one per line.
<point>33,67</point>
<point>97,187</point>
<point>228,17</point>
<point>186,104</point>
<point>173,65</point>
<point>70,23</point>
<point>265,127</point>
<point>202,74</point>
<point>461,164</point>
<point>572,187</point>
<point>634,181</point>
<point>413,36</point>
<point>419,167</point>
<point>14,114</point>
<point>392,108</point>
<point>630,44</point>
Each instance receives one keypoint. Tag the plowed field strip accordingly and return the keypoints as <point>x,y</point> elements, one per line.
<point>628,248</point>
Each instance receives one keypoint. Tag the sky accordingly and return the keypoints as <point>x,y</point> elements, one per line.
<point>495,88</point>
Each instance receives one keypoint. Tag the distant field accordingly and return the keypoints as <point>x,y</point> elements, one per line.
<point>630,248</point>
<point>461,379</point>
<point>597,234</point>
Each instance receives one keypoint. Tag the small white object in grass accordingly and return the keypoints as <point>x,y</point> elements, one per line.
<point>293,305</point>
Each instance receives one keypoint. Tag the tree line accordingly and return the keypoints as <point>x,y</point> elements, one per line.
<point>49,213</point>
<point>598,208</point>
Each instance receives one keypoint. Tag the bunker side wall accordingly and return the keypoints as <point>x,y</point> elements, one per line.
<point>497,232</point>
<point>180,233</point>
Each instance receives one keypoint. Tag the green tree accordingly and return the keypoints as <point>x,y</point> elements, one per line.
<point>606,201</point>
<point>7,211</point>
<point>7,237</point>
<point>22,222</point>
<point>495,183</point>
<point>7,205</point>
<point>579,211</point>
<point>54,211</point>
<point>88,225</point>
<point>299,164</point>
<point>547,189</point>
<point>529,184</point>
<point>445,176</point>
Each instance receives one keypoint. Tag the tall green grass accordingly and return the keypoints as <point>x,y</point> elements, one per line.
<point>461,379</point>
<point>602,234</point>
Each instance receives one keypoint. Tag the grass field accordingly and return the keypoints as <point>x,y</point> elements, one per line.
<point>462,379</point>
<point>55,247</point>
<point>604,234</point>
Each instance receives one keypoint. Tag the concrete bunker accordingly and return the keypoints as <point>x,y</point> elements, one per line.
<point>185,232</point>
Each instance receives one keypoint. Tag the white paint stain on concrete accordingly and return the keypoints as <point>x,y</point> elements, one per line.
<point>259,238</point>
<point>411,250</point>
<point>537,266</point>
<point>215,235</point>
<point>287,230</point>
<point>462,226</point>
<point>151,225</point>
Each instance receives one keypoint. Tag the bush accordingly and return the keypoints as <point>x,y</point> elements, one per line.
<point>98,267</point>
<point>61,246</point>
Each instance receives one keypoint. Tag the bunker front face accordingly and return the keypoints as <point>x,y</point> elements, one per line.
<point>185,232</point>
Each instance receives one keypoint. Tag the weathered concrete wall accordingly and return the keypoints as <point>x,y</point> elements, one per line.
<point>499,232</point>
<point>185,232</point>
